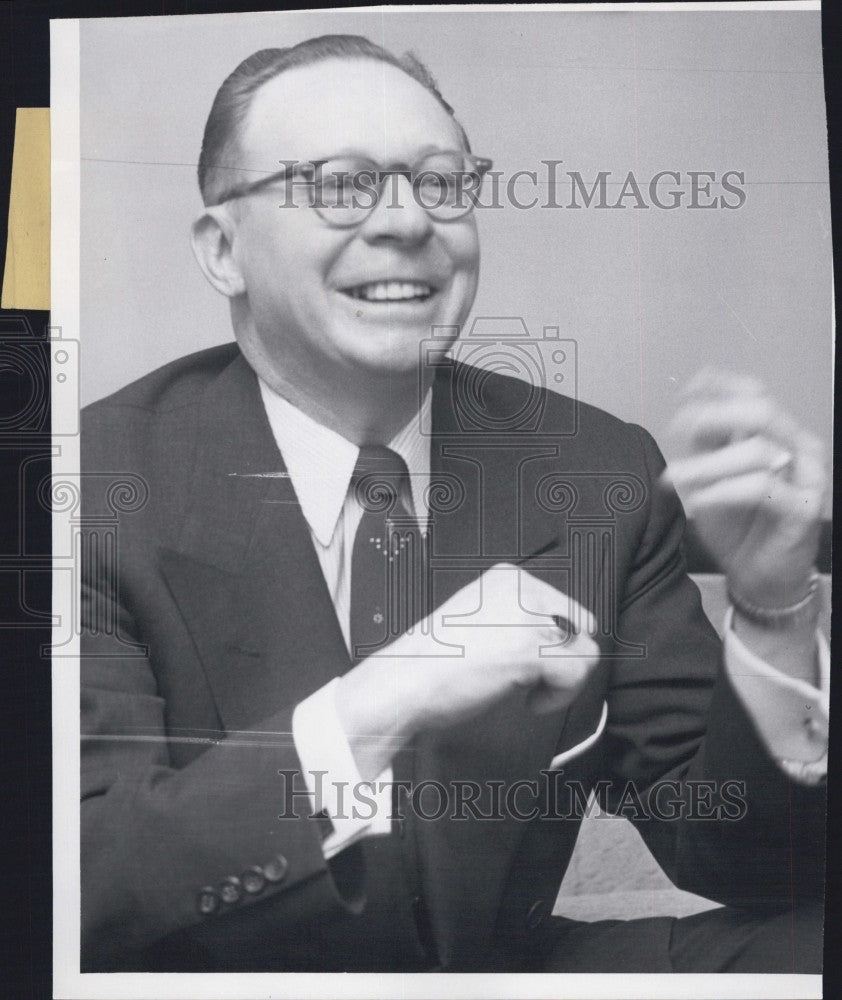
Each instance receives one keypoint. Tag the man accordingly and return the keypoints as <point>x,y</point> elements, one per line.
<point>247,670</point>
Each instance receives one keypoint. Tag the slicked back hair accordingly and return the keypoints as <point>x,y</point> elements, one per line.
<point>220,144</point>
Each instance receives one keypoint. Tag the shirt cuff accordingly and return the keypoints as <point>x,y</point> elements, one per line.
<point>791,715</point>
<point>356,808</point>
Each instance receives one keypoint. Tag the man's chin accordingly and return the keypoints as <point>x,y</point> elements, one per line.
<point>395,351</point>
<point>387,364</point>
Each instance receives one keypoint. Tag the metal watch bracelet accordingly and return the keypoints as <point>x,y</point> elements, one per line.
<point>803,612</point>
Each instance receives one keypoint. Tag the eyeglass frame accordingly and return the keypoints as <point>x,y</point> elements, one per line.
<point>481,166</point>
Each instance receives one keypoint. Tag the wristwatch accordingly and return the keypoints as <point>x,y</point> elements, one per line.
<point>803,612</point>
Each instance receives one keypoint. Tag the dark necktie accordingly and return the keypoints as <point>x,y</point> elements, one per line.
<point>388,590</point>
<point>389,594</point>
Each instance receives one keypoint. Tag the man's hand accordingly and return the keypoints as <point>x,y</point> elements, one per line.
<point>489,639</point>
<point>753,481</point>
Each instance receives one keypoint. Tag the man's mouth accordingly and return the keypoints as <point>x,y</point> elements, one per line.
<point>390,291</point>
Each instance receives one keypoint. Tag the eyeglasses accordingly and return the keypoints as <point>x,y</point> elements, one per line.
<point>344,190</point>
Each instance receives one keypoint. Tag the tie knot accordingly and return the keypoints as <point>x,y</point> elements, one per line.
<point>380,479</point>
<point>378,460</point>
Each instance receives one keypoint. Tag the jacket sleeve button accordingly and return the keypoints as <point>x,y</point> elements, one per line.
<point>230,890</point>
<point>276,869</point>
<point>207,901</point>
<point>253,880</point>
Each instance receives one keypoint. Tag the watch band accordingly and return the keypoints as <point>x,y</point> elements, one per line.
<point>803,612</point>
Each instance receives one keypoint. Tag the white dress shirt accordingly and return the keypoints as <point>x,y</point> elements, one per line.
<point>790,715</point>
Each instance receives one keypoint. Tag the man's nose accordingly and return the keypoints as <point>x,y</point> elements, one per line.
<point>398,214</point>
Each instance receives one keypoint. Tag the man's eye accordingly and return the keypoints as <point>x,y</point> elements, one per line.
<point>331,184</point>
<point>432,181</point>
<point>434,185</point>
<point>337,186</point>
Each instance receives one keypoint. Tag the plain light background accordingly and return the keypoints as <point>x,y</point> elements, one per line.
<point>649,295</point>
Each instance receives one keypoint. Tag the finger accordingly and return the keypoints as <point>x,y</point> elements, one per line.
<point>753,490</point>
<point>805,469</point>
<point>539,597</point>
<point>562,678</point>
<point>576,647</point>
<point>513,596</point>
<point>543,699</point>
<point>752,454</point>
<point>710,425</point>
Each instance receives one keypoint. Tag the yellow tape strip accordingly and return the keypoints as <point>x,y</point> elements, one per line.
<point>26,280</point>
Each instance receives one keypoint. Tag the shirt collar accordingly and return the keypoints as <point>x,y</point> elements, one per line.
<point>320,462</point>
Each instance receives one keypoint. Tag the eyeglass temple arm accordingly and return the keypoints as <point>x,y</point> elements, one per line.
<point>483,165</point>
<point>249,187</point>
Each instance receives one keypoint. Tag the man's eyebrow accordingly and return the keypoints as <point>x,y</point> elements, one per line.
<point>355,152</point>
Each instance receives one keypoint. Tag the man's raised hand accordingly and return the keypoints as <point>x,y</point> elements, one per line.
<point>753,481</point>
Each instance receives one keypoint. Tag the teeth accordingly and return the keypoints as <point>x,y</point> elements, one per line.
<point>390,291</point>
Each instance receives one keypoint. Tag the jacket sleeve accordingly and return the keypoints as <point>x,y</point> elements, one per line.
<point>685,761</point>
<point>156,838</point>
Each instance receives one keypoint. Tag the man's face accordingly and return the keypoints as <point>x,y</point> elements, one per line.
<point>325,301</point>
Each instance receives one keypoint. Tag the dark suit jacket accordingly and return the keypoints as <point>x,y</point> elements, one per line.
<point>207,619</point>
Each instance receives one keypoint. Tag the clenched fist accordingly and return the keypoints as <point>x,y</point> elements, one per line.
<point>506,630</point>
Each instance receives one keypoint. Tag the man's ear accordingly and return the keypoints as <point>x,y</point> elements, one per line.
<point>212,238</point>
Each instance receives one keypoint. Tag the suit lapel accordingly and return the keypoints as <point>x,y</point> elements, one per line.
<point>493,516</point>
<point>245,573</point>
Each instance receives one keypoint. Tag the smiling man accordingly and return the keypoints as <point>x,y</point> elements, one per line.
<point>337,599</point>
<point>329,312</point>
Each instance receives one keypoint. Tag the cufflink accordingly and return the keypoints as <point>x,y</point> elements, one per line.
<point>805,611</point>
